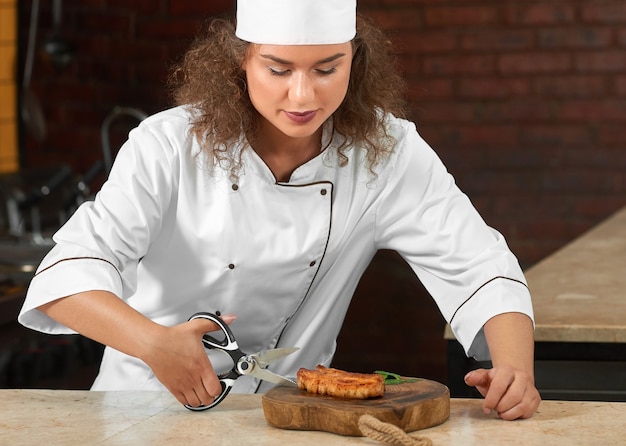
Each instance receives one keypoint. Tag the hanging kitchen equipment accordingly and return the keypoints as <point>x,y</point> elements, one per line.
<point>30,108</point>
<point>25,245</point>
<point>57,47</point>
<point>117,112</point>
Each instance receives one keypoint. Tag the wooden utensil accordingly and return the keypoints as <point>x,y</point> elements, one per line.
<point>410,406</point>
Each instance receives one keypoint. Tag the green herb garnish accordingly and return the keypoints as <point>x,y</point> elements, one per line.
<point>394,378</point>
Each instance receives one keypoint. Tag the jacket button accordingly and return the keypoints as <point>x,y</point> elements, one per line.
<point>235,187</point>
<point>231,266</point>
<point>312,263</point>
<point>323,192</point>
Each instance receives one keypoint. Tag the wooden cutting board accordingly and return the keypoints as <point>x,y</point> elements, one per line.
<point>410,406</point>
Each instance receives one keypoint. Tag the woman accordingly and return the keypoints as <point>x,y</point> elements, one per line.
<point>264,195</point>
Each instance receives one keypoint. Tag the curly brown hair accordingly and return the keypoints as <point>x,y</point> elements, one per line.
<point>210,79</point>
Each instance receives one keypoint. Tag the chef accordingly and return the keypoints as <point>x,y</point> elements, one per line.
<point>264,194</point>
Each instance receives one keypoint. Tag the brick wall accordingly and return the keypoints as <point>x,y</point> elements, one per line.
<point>123,50</point>
<point>524,101</point>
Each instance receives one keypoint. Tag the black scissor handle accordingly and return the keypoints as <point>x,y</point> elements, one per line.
<point>229,345</point>
<point>227,384</point>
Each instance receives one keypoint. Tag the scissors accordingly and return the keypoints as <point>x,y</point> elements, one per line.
<point>243,363</point>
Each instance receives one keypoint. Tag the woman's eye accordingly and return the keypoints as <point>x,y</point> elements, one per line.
<point>327,71</point>
<point>275,72</point>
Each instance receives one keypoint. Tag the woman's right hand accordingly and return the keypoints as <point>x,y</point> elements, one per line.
<point>179,361</point>
<point>175,354</point>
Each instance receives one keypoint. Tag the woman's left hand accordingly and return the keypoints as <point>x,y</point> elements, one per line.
<point>510,392</point>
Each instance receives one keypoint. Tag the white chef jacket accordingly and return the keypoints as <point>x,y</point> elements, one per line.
<point>172,236</point>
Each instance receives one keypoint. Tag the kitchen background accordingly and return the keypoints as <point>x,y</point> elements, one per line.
<point>524,101</point>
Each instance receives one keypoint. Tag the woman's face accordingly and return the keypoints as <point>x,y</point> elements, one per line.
<point>295,87</point>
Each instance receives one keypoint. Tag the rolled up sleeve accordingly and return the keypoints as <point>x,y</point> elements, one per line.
<point>101,245</point>
<point>465,265</point>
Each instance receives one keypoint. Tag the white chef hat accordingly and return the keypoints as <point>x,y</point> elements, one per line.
<point>296,22</point>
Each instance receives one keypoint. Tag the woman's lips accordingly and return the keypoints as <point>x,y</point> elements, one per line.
<point>301,117</point>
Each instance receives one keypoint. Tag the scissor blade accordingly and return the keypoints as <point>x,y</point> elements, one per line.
<point>262,360</point>
<point>272,377</point>
<point>272,355</point>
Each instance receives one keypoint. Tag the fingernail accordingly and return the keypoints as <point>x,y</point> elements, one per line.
<point>467,376</point>
<point>228,318</point>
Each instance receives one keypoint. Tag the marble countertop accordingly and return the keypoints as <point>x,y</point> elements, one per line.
<point>72,417</point>
<point>579,292</point>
